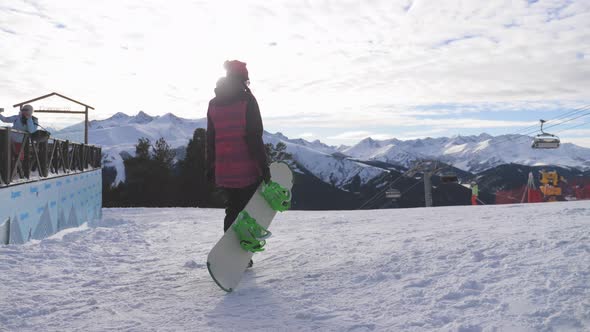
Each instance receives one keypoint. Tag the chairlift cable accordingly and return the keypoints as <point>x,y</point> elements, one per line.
<point>572,127</point>
<point>524,132</point>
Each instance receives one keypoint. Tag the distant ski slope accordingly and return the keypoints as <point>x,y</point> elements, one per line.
<point>485,268</point>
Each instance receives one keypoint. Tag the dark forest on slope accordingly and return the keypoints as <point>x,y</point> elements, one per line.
<point>159,176</point>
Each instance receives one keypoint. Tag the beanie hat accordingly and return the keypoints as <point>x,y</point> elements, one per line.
<point>236,68</point>
<point>27,108</point>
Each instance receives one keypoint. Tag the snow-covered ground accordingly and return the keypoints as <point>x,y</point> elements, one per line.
<point>485,268</point>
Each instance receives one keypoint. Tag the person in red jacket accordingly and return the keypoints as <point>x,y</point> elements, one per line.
<point>236,155</point>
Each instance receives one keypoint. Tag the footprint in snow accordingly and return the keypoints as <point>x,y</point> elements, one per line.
<point>193,265</point>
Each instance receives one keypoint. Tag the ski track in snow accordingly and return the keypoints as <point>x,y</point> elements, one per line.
<point>468,269</point>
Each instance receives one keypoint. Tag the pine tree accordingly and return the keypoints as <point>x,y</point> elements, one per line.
<point>282,154</point>
<point>355,184</point>
<point>142,149</point>
<point>278,152</point>
<point>195,191</point>
<point>149,178</point>
<point>163,154</point>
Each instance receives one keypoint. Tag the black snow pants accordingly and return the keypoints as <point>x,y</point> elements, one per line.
<point>236,200</point>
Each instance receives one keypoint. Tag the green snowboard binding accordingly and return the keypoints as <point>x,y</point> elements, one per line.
<point>251,235</point>
<point>277,197</point>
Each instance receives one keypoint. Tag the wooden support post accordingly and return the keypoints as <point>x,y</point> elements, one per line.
<point>83,163</point>
<point>7,147</point>
<point>66,157</point>
<point>86,126</point>
<point>27,153</point>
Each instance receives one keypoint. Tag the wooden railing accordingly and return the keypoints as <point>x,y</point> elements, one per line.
<point>24,159</point>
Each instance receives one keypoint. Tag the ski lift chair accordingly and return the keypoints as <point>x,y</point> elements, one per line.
<point>545,140</point>
<point>393,193</point>
<point>449,178</point>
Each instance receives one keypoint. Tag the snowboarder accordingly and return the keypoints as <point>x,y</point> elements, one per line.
<point>474,193</point>
<point>236,155</point>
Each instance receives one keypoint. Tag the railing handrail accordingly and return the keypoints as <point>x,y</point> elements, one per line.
<point>51,138</point>
<point>53,156</point>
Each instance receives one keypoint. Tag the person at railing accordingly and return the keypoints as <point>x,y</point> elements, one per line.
<point>24,121</point>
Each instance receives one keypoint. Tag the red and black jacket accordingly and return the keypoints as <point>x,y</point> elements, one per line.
<point>235,149</point>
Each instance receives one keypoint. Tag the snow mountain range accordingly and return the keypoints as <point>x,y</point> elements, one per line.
<point>338,166</point>
<point>470,153</point>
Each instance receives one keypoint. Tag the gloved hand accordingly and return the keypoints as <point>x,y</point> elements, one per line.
<point>266,174</point>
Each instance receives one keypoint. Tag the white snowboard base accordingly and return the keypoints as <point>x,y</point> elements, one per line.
<point>227,261</point>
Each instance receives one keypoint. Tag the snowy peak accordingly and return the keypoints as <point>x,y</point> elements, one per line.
<point>169,117</point>
<point>141,118</point>
<point>119,116</point>
<point>342,147</point>
<point>363,149</point>
<point>316,145</point>
<point>485,136</point>
<point>369,142</point>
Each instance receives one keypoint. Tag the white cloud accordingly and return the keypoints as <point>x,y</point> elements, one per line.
<point>391,119</point>
<point>359,135</point>
<point>306,135</point>
<point>410,135</point>
<point>351,135</point>
<point>581,141</point>
<point>348,65</point>
<point>576,132</point>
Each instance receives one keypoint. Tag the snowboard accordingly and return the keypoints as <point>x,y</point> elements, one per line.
<point>228,260</point>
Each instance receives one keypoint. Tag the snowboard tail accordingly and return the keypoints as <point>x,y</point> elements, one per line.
<point>229,290</point>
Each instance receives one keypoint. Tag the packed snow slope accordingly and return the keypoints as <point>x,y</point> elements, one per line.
<point>484,268</point>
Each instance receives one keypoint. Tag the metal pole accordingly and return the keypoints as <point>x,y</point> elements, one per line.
<point>428,189</point>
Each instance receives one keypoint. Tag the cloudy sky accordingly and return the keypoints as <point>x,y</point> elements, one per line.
<point>337,70</point>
